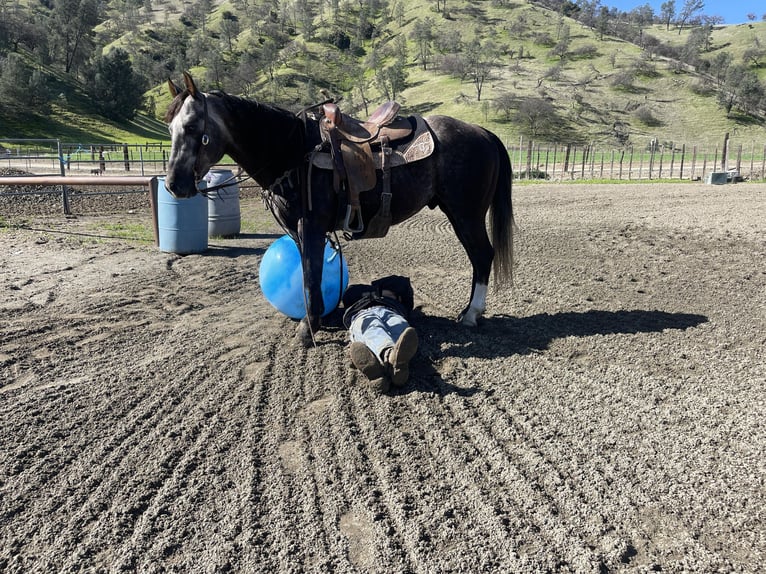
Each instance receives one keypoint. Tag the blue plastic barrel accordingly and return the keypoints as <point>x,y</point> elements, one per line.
<point>223,212</point>
<point>182,223</point>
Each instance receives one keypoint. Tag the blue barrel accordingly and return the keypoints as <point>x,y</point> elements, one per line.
<point>223,212</point>
<point>182,223</point>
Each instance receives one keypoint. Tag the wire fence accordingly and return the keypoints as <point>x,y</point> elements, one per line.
<point>739,161</point>
<point>51,156</point>
<point>732,161</point>
<point>531,160</point>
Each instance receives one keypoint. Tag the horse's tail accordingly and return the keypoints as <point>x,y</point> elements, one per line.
<point>502,217</point>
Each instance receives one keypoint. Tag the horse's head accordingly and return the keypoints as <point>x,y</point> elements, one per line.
<point>197,139</point>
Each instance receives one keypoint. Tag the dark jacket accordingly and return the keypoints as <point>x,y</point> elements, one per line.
<point>358,297</point>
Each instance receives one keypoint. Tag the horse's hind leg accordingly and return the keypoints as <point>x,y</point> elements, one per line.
<point>476,307</point>
<point>476,242</point>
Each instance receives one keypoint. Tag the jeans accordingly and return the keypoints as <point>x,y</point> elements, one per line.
<point>377,327</point>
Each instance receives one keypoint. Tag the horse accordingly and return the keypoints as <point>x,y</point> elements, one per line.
<point>467,175</point>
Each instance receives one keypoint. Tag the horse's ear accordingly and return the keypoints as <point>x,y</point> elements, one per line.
<point>190,84</point>
<point>174,90</point>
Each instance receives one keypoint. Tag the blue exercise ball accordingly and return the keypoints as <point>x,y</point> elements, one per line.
<point>281,278</point>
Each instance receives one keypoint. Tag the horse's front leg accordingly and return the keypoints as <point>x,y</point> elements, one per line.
<point>312,253</point>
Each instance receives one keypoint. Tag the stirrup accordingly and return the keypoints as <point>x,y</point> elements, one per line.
<point>353,212</point>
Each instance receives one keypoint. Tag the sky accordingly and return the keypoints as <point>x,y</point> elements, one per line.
<point>732,11</point>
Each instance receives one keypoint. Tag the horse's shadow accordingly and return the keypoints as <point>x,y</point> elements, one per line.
<point>503,336</point>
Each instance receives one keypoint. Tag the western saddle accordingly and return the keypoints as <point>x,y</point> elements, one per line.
<point>358,148</point>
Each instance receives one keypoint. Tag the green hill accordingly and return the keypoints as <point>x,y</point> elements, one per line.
<point>597,88</point>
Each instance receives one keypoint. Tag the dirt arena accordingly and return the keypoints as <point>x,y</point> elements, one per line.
<point>608,415</point>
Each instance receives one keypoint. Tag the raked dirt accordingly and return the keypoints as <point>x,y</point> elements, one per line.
<point>607,415</point>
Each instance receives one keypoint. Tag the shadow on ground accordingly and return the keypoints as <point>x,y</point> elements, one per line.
<point>503,335</point>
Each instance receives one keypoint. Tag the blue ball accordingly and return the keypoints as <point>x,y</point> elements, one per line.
<point>281,278</point>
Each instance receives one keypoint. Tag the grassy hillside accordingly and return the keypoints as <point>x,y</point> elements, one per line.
<point>589,101</point>
<point>72,118</point>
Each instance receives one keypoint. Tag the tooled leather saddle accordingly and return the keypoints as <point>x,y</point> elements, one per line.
<point>359,150</point>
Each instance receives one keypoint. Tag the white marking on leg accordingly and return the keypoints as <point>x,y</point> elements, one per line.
<point>477,307</point>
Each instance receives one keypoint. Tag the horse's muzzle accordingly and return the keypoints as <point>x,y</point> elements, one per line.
<point>180,187</point>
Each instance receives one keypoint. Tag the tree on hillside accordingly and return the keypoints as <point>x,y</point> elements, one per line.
<point>481,59</point>
<point>536,117</point>
<point>719,66</point>
<point>561,48</point>
<point>21,88</point>
<point>755,54</point>
<point>699,41</point>
<point>668,12</point>
<point>602,22</point>
<point>423,35</point>
<point>71,31</point>
<point>741,90</point>
<point>391,80</point>
<point>642,16</point>
<point>196,13</point>
<point>448,41</point>
<point>691,7</point>
<point>113,85</point>
<point>588,12</point>
<point>229,28</point>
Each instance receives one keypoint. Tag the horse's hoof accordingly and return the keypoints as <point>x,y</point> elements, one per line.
<point>303,334</point>
<point>469,317</point>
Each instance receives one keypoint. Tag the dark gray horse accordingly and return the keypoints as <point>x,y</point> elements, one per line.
<point>467,175</point>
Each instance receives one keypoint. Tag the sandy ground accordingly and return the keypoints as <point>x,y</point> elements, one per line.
<point>608,415</point>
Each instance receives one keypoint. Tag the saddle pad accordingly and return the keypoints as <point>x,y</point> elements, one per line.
<point>419,146</point>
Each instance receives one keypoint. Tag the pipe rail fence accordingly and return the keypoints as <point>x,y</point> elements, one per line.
<point>559,162</point>
<point>132,166</point>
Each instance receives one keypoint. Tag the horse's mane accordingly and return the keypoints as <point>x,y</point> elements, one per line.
<point>232,102</point>
<point>175,106</point>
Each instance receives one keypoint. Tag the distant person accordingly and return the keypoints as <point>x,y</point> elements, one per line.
<point>382,340</point>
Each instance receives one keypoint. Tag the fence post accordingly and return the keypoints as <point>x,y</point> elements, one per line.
<point>622,158</point>
<point>694,161</point>
<point>763,163</point>
<point>537,159</point>
<point>739,159</point>
<point>630,164</point>
<point>715,157</point>
<point>601,168</point>
<point>64,188</point>
<point>683,154</point>
<point>529,158</point>
<point>593,159</point>
<point>752,158</point>
<point>672,158</point>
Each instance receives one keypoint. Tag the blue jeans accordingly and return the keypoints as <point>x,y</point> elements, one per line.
<point>377,327</point>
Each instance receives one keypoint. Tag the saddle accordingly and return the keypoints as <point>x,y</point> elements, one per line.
<point>359,149</point>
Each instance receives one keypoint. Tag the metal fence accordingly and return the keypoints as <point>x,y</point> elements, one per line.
<point>531,160</point>
<point>535,160</point>
<point>51,156</point>
<point>731,161</point>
